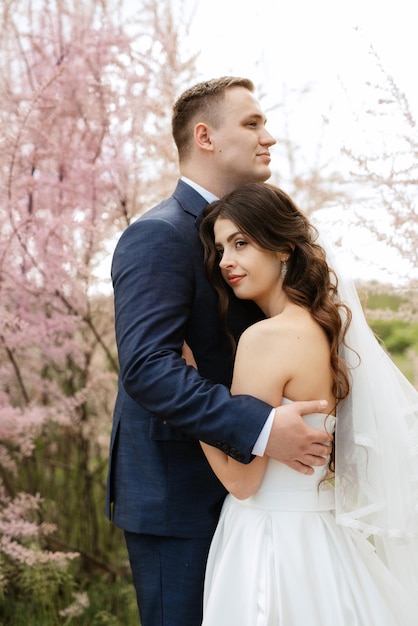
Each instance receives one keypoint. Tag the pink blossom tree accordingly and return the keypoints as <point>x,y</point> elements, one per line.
<point>86,95</point>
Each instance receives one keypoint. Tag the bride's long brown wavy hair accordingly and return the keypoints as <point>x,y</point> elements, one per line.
<point>270,219</point>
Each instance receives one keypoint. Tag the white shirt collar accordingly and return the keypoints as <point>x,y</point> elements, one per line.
<point>207,195</point>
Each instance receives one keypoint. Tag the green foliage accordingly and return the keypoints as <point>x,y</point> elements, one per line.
<point>33,597</point>
<point>398,336</point>
<point>384,301</point>
<point>117,607</point>
<point>109,604</point>
<point>70,472</point>
<point>405,365</point>
<point>48,579</point>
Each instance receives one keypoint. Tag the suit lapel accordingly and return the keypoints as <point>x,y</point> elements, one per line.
<point>190,200</point>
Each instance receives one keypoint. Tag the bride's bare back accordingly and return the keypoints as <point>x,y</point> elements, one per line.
<point>285,355</point>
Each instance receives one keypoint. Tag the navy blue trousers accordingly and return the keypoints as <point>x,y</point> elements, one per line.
<point>168,575</point>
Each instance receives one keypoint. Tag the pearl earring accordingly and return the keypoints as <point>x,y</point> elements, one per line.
<point>283,269</point>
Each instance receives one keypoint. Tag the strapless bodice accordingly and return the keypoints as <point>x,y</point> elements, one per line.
<point>285,489</point>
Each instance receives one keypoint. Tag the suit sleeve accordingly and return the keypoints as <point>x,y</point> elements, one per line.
<point>154,287</point>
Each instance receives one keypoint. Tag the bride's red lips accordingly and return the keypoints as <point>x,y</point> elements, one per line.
<point>233,279</point>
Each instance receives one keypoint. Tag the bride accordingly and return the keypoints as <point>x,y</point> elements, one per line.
<point>337,547</point>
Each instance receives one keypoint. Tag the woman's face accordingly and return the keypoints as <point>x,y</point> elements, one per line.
<point>252,272</point>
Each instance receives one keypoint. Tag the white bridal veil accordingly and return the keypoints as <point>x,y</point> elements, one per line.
<point>376,474</point>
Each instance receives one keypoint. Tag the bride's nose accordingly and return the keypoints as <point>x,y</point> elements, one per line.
<point>226,261</point>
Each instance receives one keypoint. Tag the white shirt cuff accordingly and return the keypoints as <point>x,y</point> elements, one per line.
<point>261,443</point>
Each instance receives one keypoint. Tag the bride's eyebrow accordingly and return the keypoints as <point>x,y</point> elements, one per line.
<point>238,233</point>
<point>230,237</point>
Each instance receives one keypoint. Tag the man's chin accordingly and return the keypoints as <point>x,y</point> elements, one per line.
<point>263,176</point>
<point>259,176</point>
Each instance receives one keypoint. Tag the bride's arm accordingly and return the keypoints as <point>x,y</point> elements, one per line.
<point>252,376</point>
<point>239,479</point>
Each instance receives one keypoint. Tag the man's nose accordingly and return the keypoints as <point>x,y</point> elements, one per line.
<point>266,139</point>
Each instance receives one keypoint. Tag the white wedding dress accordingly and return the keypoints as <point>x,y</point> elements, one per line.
<point>279,558</point>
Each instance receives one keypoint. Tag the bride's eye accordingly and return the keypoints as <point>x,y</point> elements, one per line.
<point>219,252</point>
<point>240,243</point>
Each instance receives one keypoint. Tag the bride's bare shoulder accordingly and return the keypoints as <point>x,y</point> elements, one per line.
<point>292,318</point>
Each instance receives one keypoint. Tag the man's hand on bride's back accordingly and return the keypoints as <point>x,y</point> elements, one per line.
<point>295,443</point>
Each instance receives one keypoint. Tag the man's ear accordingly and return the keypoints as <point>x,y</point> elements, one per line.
<point>202,136</point>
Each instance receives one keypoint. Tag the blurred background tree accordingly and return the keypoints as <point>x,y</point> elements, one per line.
<point>383,170</point>
<point>384,167</point>
<point>86,97</point>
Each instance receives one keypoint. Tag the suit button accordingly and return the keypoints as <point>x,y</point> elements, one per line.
<point>236,455</point>
<point>226,447</point>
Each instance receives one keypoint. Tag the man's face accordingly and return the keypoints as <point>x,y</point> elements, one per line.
<point>241,142</point>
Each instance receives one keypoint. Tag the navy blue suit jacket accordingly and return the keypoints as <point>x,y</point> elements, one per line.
<point>159,481</point>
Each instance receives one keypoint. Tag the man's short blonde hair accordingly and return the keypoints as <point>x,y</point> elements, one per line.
<point>201,103</point>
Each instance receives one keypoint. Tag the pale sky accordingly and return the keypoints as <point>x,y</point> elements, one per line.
<point>300,41</point>
<point>323,44</point>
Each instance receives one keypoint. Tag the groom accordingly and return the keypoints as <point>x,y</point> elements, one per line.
<point>161,491</point>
